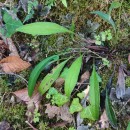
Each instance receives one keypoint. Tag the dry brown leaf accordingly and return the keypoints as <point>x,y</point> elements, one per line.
<point>104,123</point>
<point>12,64</point>
<point>59,112</point>
<point>85,76</point>
<point>129,58</point>
<point>23,95</point>
<point>65,114</point>
<point>120,88</point>
<point>32,103</point>
<point>59,82</point>
<point>52,110</point>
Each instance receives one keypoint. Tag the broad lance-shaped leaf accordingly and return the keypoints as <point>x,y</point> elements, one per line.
<point>43,28</point>
<point>94,92</point>
<point>72,77</point>
<point>105,17</point>
<point>110,112</point>
<point>49,79</point>
<point>92,111</point>
<point>36,72</point>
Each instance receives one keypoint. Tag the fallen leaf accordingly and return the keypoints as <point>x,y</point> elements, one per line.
<point>85,76</point>
<point>59,112</point>
<point>65,114</point>
<point>129,58</point>
<point>103,122</point>
<point>120,89</point>
<point>59,82</point>
<point>23,95</point>
<point>12,64</point>
<point>52,111</point>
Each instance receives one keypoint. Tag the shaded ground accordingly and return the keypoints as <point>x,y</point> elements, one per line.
<point>33,49</point>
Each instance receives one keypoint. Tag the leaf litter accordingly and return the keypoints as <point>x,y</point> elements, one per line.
<point>59,112</point>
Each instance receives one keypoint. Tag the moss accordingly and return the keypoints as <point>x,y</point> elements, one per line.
<point>14,114</point>
<point>127,81</point>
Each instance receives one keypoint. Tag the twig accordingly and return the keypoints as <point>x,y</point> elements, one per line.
<point>30,125</point>
<point>123,107</point>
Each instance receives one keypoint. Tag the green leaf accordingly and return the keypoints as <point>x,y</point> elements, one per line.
<point>106,62</point>
<point>128,127</point>
<point>49,79</point>
<point>88,112</point>
<point>72,76</point>
<point>105,17</point>
<point>64,2</point>
<point>64,73</point>
<point>11,24</point>
<point>75,106</point>
<point>52,91</point>
<point>94,92</point>
<point>98,42</point>
<point>43,28</point>
<point>81,95</point>
<point>36,72</point>
<point>114,5</point>
<point>92,111</point>
<point>110,112</point>
<point>60,99</point>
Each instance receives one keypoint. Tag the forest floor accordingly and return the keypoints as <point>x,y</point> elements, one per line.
<point>97,54</point>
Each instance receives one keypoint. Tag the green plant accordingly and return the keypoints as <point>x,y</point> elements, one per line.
<point>49,79</point>
<point>56,97</point>
<point>110,111</point>
<point>103,36</point>
<point>11,23</point>
<point>92,111</point>
<point>31,6</point>
<point>128,127</point>
<point>42,28</point>
<point>36,116</point>
<point>51,3</point>
<point>107,17</point>
<point>72,76</point>
<point>71,128</point>
<point>36,72</point>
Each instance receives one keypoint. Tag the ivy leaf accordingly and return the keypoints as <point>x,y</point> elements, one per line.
<point>11,24</point>
<point>52,91</point>
<point>36,72</point>
<point>98,42</point>
<point>110,112</point>
<point>43,28</point>
<point>75,106</point>
<point>49,79</point>
<point>72,76</point>
<point>60,99</point>
<point>105,17</point>
<point>88,112</point>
